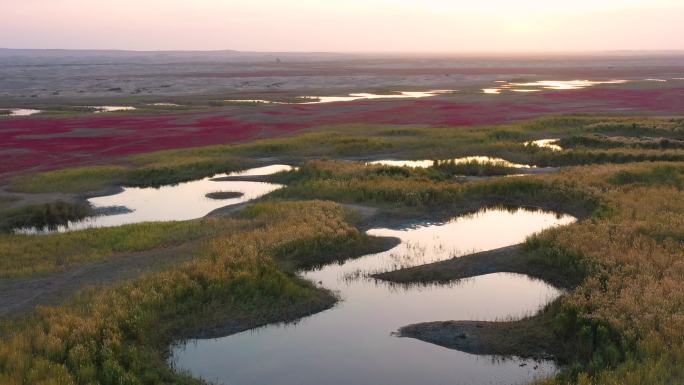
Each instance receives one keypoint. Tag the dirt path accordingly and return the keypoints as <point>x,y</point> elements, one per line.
<point>19,296</point>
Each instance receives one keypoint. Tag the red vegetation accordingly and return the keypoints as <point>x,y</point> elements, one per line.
<point>35,143</point>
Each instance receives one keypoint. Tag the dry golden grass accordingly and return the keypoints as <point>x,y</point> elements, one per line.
<point>631,305</point>
<point>115,336</point>
<point>638,287</point>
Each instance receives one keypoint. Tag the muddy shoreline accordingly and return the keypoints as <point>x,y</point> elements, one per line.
<point>530,337</point>
<point>510,259</point>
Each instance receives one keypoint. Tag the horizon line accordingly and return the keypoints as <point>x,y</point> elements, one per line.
<point>360,52</point>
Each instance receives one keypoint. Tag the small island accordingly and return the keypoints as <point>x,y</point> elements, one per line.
<point>219,195</point>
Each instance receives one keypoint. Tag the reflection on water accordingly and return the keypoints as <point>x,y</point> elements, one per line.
<point>493,91</point>
<point>163,104</point>
<point>20,111</point>
<point>253,101</point>
<point>566,84</point>
<point>467,159</point>
<point>352,342</point>
<point>96,109</point>
<point>359,96</point>
<point>178,202</point>
<point>100,109</point>
<point>551,144</point>
<point>350,97</point>
<point>404,163</point>
<point>540,85</point>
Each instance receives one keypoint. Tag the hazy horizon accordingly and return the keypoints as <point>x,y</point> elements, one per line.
<point>346,26</point>
<point>388,53</point>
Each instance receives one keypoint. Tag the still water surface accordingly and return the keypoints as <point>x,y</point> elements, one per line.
<point>21,111</point>
<point>365,95</point>
<point>350,97</point>
<point>183,201</point>
<point>352,343</point>
<point>100,109</point>
<point>551,144</point>
<point>425,163</point>
<point>540,85</point>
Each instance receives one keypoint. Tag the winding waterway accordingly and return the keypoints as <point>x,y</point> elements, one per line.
<point>352,343</point>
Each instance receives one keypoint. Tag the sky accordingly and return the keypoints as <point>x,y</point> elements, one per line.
<point>345,25</point>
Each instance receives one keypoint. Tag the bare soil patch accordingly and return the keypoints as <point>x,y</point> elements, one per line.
<point>19,296</point>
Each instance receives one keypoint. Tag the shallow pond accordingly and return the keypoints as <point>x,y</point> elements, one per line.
<point>352,343</point>
<point>349,97</point>
<point>164,104</point>
<point>178,202</point>
<point>21,111</point>
<point>429,163</point>
<point>566,84</point>
<point>537,86</point>
<point>491,91</point>
<point>551,144</point>
<point>100,109</point>
<point>365,95</point>
<point>254,101</point>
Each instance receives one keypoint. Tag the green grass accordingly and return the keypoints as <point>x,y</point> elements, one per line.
<point>669,175</point>
<point>22,255</point>
<point>144,171</point>
<point>475,168</point>
<point>354,182</point>
<point>604,141</point>
<point>71,180</point>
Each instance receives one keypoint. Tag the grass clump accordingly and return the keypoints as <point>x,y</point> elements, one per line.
<point>425,188</point>
<point>219,195</point>
<point>660,175</point>
<point>475,168</point>
<point>47,215</point>
<point>164,168</point>
<point>604,141</point>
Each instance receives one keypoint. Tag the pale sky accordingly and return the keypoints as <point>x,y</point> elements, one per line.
<point>345,25</point>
